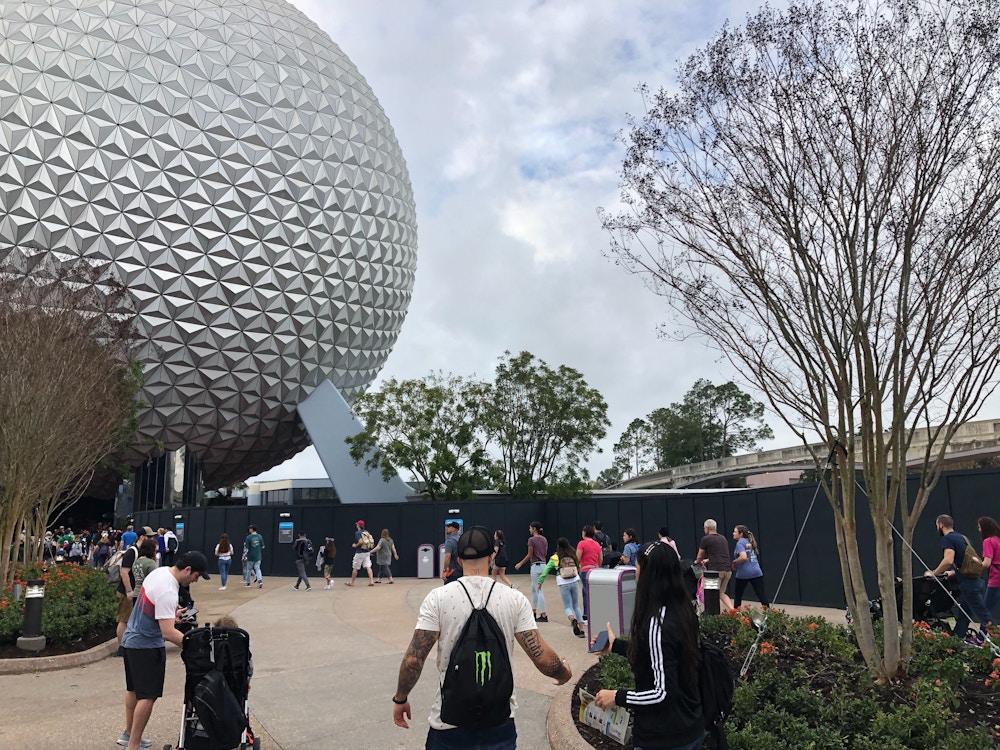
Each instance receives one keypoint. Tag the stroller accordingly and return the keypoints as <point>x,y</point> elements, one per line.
<point>931,603</point>
<point>217,665</point>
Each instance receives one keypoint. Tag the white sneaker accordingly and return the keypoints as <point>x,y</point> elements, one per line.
<point>328,587</point>
<point>222,588</point>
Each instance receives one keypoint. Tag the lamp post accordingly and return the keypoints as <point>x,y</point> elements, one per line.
<point>711,587</point>
<point>32,638</point>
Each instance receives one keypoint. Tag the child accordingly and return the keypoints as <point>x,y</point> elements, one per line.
<point>230,622</point>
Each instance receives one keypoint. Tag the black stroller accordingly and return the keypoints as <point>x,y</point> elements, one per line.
<point>218,667</point>
<point>932,600</point>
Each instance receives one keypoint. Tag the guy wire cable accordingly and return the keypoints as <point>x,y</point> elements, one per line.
<point>763,625</point>
<point>994,648</point>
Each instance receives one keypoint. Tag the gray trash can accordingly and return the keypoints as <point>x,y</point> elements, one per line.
<point>425,561</point>
<point>612,599</point>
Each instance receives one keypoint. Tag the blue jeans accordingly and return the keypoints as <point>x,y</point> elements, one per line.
<point>570,594</point>
<point>537,597</point>
<point>991,601</point>
<point>251,568</point>
<point>971,599</point>
<point>696,745</point>
<point>503,737</point>
<point>584,575</point>
<point>224,570</point>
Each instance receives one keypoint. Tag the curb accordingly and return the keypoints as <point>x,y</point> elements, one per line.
<point>29,665</point>
<point>559,724</point>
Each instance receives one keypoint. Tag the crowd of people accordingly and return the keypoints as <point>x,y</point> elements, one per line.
<point>95,545</point>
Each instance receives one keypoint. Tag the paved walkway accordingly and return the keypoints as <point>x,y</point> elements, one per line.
<point>325,669</point>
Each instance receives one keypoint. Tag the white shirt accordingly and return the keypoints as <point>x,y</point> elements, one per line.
<point>445,611</point>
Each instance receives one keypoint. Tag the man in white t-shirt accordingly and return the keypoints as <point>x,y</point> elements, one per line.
<point>442,617</point>
<point>150,625</point>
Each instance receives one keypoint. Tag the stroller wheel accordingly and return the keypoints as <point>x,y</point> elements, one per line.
<point>256,743</point>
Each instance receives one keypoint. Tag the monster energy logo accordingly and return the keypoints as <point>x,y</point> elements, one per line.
<point>484,667</point>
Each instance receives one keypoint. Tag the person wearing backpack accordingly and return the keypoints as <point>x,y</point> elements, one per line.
<point>568,581</point>
<point>170,540</point>
<point>960,558</point>
<point>663,652</point>
<point>363,544</point>
<point>609,556</point>
<point>127,590</point>
<point>474,621</point>
<point>304,552</point>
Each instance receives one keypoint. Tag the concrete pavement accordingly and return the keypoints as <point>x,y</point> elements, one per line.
<point>325,668</point>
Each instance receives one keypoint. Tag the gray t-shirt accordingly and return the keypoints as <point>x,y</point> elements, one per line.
<point>451,547</point>
<point>384,554</point>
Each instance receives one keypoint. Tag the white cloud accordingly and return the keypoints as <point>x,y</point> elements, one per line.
<point>507,115</point>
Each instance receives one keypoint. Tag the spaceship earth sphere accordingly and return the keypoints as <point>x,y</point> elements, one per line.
<point>227,162</point>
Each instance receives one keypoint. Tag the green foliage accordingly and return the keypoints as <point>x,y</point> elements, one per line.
<point>430,427</point>
<point>541,421</point>
<point>807,687</point>
<point>78,602</point>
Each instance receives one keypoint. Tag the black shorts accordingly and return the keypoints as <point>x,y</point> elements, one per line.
<point>145,669</point>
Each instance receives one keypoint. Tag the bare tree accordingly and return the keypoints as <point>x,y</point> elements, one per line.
<point>67,390</point>
<point>819,199</point>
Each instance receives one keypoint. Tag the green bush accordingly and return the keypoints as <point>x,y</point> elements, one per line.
<point>807,689</point>
<point>78,602</point>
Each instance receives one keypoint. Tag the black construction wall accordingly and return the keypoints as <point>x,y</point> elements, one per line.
<point>777,516</point>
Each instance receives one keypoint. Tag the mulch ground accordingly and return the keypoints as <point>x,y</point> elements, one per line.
<point>11,651</point>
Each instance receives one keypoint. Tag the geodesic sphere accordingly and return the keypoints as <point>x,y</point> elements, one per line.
<point>230,165</point>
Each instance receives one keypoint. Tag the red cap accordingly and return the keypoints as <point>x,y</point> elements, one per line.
<point>359,523</point>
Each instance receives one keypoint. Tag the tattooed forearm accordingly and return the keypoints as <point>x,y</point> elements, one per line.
<point>544,658</point>
<point>413,660</point>
<point>531,644</point>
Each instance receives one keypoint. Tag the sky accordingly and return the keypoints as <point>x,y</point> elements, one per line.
<point>507,114</point>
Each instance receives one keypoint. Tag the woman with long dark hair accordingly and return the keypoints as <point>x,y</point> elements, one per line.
<point>567,564</point>
<point>663,651</point>
<point>747,566</point>
<point>224,554</point>
<point>631,541</point>
<point>990,531</point>
<point>500,558</point>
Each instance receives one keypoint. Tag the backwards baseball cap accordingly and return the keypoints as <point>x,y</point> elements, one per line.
<point>148,531</point>
<point>453,525</point>
<point>359,523</point>
<point>194,560</point>
<point>475,543</point>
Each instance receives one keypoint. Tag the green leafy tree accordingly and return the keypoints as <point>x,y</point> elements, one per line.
<point>634,449</point>
<point>818,198</point>
<point>711,422</point>
<point>540,421</point>
<point>609,476</point>
<point>429,427</point>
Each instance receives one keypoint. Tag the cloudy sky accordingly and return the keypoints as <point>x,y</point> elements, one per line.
<point>507,114</point>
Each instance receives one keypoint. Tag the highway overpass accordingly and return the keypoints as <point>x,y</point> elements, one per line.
<point>973,440</point>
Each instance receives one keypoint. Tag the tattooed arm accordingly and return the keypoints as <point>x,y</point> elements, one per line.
<point>409,673</point>
<point>544,658</point>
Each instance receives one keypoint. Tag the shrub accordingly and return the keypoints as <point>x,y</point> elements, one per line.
<point>807,688</point>
<point>78,602</point>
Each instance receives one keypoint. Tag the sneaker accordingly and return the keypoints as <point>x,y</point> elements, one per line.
<point>222,588</point>
<point>295,587</point>
<point>328,587</point>
<point>309,588</point>
<point>542,618</point>
<point>260,584</point>
<point>123,741</point>
<point>247,584</point>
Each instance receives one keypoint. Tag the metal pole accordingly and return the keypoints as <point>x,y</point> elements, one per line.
<point>32,638</point>
<point>710,587</point>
